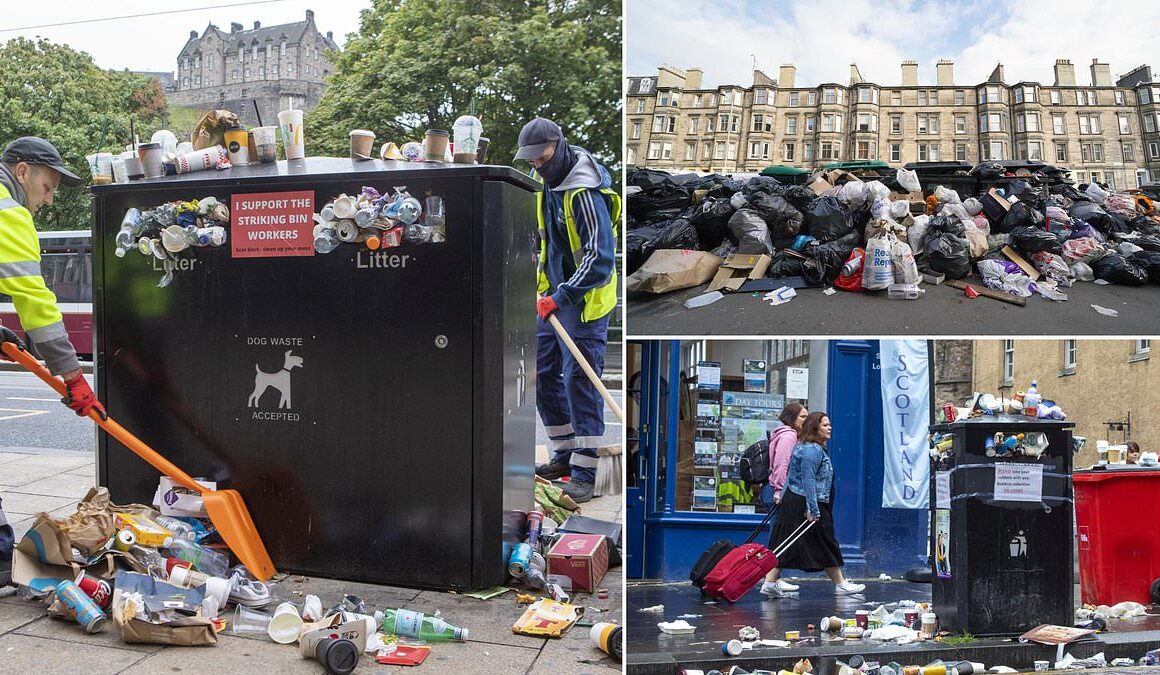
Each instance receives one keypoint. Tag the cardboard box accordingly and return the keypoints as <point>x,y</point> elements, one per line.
<point>819,185</point>
<point>1019,260</point>
<point>737,269</point>
<point>669,270</point>
<point>581,557</point>
<point>995,205</point>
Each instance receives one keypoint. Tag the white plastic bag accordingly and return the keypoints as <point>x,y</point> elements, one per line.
<point>909,180</point>
<point>1096,193</point>
<point>738,201</point>
<point>902,258</point>
<point>899,209</point>
<point>997,278</point>
<point>876,190</point>
<point>917,232</point>
<point>880,209</point>
<point>1082,271</point>
<point>945,195</point>
<point>878,270</point>
<point>973,206</point>
<point>852,194</point>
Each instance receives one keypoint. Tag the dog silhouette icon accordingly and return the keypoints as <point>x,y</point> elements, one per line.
<point>279,380</point>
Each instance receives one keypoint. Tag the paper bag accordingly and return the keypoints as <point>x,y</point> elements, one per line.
<point>673,269</point>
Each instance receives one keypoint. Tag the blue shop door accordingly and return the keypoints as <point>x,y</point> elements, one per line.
<point>874,540</point>
<point>638,442</point>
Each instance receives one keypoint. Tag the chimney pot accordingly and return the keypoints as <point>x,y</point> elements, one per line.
<point>257,25</point>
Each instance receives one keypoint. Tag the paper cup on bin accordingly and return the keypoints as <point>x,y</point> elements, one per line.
<point>286,624</point>
<point>250,622</point>
<point>362,144</point>
<point>292,137</point>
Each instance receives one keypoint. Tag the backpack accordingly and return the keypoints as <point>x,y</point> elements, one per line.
<point>754,467</point>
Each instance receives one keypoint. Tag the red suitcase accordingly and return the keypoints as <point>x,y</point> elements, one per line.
<point>745,565</point>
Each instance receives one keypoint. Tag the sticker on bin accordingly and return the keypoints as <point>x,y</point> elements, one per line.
<point>272,224</point>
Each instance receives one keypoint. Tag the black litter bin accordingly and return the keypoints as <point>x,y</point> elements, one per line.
<point>374,408</point>
<point>954,175</point>
<point>1001,529</point>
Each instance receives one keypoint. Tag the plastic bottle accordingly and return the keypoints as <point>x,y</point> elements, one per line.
<point>1031,397</point>
<point>150,558</point>
<point>206,560</point>
<point>179,528</point>
<point>419,625</point>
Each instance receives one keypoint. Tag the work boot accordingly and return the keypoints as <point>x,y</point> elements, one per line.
<point>580,491</point>
<point>553,470</point>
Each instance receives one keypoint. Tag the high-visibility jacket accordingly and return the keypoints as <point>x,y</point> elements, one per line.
<point>598,301</point>
<point>20,277</point>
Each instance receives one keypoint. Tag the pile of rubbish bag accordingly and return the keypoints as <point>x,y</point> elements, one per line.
<point>1022,235</point>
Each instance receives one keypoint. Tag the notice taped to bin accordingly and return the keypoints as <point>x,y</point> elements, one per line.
<point>272,224</point>
<point>1018,482</point>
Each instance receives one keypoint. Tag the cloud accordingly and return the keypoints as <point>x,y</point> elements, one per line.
<point>823,37</point>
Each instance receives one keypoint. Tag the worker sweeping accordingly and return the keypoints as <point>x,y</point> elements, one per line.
<point>577,211</point>
<point>30,171</point>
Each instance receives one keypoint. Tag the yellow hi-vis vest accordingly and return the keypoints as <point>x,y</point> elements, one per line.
<point>20,275</point>
<point>602,299</point>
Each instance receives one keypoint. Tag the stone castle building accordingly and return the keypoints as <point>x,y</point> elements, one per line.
<point>1105,131</point>
<point>273,65</point>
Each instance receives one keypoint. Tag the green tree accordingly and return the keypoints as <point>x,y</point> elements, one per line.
<point>418,64</point>
<point>57,93</point>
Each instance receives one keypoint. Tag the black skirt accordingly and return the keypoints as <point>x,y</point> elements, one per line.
<point>818,548</point>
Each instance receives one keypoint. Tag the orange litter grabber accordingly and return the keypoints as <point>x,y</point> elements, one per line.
<point>225,507</point>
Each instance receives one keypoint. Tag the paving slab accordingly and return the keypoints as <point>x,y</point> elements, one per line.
<point>70,633</point>
<point>17,502</point>
<point>59,485</point>
<point>27,654</point>
<point>16,615</point>
<point>471,658</point>
<point>230,655</point>
<point>6,457</point>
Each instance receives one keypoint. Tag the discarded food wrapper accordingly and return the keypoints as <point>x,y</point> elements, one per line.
<point>547,618</point>
<point>1049,634</point>
<point>403,655</point>
<point>780,296</point>
<point>174,500</point>
<point>679,627</point>
<point>749,634</point>
<point>1105,311</point>
<point>703,299</point>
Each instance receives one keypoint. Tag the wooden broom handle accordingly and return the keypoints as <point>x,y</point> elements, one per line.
<point>587,367</point>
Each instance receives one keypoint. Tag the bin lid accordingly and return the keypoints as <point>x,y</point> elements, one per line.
<point>859,164</point>
<point>313,169</point>
<point>782,170</point>
<point>937,167</point>
<point>1021,421</point>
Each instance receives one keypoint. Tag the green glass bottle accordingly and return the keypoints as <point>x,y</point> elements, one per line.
<point>419,625</point>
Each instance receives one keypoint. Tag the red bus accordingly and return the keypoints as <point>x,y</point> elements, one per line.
<point>66,260</point>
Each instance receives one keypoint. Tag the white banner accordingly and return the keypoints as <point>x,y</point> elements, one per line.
<point>905,424</point>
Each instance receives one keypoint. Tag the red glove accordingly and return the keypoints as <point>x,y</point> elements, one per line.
<point>81,397</point>
<point>545,306</point>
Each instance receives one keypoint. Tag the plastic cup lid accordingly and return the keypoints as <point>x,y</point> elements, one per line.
<point>339,655</point>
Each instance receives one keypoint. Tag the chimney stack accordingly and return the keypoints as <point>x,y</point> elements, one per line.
<point>785,76</point>
<point>693,78</point>
<point>945,71</point>
<point>1064,73</point>
<point>257,25</point>
<point>235,27</point>
<point>1101,74</point>
<point>310,16</point>
<point>192,35</point>
<point>330,35</point>
<point>855,74</point>
<point>909,73</point>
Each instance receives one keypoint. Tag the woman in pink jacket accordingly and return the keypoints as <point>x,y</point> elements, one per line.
<point>781,443</point>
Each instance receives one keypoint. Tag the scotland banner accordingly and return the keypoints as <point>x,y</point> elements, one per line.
<point>905,423</point>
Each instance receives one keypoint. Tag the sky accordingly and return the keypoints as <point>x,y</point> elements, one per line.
<point>152,43</point>
<point>823,37</point>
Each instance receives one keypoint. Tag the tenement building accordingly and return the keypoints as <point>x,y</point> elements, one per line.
<point>1103,131</point>
<point>275,66</point>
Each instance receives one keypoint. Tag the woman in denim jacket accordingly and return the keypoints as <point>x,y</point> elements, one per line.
<point>809,495</point>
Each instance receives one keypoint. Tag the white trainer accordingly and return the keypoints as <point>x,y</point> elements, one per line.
<point>787,587</point>
<point>848,588</point>
<point>771,590</point>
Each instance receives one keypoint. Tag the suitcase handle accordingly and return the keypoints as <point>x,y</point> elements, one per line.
<point>793,537</point>
<point>764,522</point>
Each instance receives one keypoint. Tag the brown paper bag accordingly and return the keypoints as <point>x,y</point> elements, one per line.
<point>93,522</point>
<point>673,269</point>
<point>191,632</point>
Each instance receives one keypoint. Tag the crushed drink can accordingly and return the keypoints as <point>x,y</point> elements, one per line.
<point>98,589</point>
<point>518,562</point>
<point>81,607</point>
<point>535,522</point>
<point>950,412</point>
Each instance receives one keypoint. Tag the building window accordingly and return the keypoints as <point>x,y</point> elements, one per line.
<point>1089,124</point>
<point>694,123</point>
<point>658,123</point>
<point>1029,94</point>
<point>960,124</point>
<point>247,72</point>
<point>1092,98</point>
<point>960,97</point>
<point>790,126</point>
<point>712,100</point>
<point>1153,150</point>
<point>1069,352</point>
<point>928,152</point>
<point>290,71</point>
<point>1061,152</point>
<point>1143,96</point>
<point>812,98</point>
<point>262,71</point>
<point>666,150</point>
<point>1035,151</point>
<point>794,98</point>
<point>654,150</point>
<point>896,124</point>
<point>731,151</point>
<point>760,96</point>
<point>185,83</point>
<point>864,95</point>
<point>635,130</point>
<point>696,100</point>
<point>690,152</point>
<point>709,124</point>
<point>1098,152</point>
<point>867,122</point>
<point>1124,128</point>
<point>829,96</point>
<point>1129,155</point>
<point>640,105</point>
<point>282,49</point>
<point>631,155</point>
<point>827,150</point>
<point>1085,152</point>
<point>645,86</point>
<point>719,152</point>
<point>1142,349</point>
<point>896,98</point>
<point>961,152</point>
<point>810,123</point>
<point>664,99</point>
<point>866,150</point>
<point>789,152</point>
<point>707,150</point>
<point>896,152</point>
<point>1008,363</point>
<point>1057,125</point>
<point>1054,97</point>
<point>1149,123</point>
<point>1018,95</point>
<point>922,97</point>
<point>234,74</point>
<point>727,97</point>
<point>996,148</point>
<point>807,151</point>
<point>1119,98</point>
<point>1033,121</point>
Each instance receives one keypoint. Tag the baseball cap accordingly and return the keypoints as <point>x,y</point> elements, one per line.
<point>536,137</point>
<point>33,150</point>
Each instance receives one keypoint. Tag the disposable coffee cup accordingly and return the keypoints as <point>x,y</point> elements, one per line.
<point>732,648</point>
<point>286,624</point>
<point>436,145</point>
<point>482,151</point>
<point>238,146</point>
<point>266,144</point>
<point>338,655</point>
<point>133,168</point>
<point>151,156</point>
<point>362,143</point>
<point>1042,666</point>
<point>293,138</point>
<point>343,207</point>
